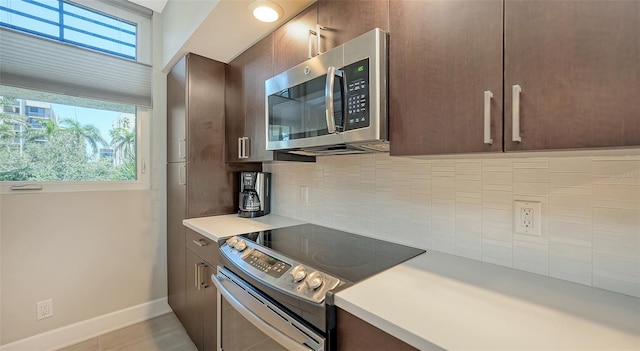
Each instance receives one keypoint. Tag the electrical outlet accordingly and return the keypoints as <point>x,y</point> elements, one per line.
<point>527,217</point>
<point>44,309</point>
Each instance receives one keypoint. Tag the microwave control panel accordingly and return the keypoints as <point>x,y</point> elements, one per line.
<point>356,77</point>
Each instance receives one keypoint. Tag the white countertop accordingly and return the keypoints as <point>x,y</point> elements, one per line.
<point>442,301</point>
<point>216,227</point>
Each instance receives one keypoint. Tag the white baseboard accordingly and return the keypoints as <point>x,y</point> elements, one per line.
<point>77,332</point>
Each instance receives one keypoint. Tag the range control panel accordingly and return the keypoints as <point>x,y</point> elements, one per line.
<point>266,263</point>
<point>277,271</point>
<point>356,77</point>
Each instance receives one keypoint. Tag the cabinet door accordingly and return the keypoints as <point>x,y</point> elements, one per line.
<point>176,212</point>
<point>258,68</point>
<point>193,322</point>
<point>176,114</point>
<point>234,107</point>
<point>354,334</point>
<point>345,20</point>
<point>577,63</point>
<point>291,41</point>
<point>443,57</point>
<point>210,310</point>
<point>210,188</point>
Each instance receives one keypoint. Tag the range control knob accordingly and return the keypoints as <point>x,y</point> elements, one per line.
<point>232,241</point>
<point>241,245</point>
<point>298,273</point>
<point>314,280</point>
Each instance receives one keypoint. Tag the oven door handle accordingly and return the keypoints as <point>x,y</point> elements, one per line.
<point>265,327</point>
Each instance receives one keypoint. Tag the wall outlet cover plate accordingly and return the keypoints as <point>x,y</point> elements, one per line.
<point>527,217</point>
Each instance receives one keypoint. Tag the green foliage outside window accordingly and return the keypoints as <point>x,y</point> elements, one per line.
<point>64,150</point>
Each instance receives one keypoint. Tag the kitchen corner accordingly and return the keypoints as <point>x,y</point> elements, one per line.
<point>440,301</point>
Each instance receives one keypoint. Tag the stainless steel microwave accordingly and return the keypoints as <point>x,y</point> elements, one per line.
<point>334,103</point>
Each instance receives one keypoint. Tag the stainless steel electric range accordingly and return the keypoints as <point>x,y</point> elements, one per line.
<point>275,288</point>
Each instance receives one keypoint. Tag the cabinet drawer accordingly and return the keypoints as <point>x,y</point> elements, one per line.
<point>202,246</point>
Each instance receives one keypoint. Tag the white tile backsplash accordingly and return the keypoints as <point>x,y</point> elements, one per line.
<point>590,208</point>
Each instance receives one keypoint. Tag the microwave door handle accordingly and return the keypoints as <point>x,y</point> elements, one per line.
<point>328,95</point>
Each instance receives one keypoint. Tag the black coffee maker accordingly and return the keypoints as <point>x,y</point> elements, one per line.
<point>255,194</point>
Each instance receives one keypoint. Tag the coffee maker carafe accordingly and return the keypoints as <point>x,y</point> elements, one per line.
<point>255,198</point>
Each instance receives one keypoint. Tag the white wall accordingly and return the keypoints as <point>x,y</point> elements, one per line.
<point>180,20</point>
<point>590,208</point>
<point>92,252</point>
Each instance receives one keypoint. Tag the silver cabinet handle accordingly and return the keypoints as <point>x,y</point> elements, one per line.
<point>200,242</point>
<point>309,44</point>
<point>319,39</point>
<point>202,280</point>
<point>196,276</point>
<point>315,33</point>
<point>242,147</point>
<point>515,113</point>
<point>488,95</point>
<point>182,146</point>
<point>247,147</point>
<point>200,284</point>
<point>182,175</point>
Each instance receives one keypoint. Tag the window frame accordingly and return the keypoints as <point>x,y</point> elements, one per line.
<point>143,20</point>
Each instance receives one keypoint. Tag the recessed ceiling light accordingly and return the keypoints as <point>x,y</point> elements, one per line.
<point>265,11</point>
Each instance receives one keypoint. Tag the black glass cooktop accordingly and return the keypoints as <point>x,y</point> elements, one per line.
<point>344,255</point>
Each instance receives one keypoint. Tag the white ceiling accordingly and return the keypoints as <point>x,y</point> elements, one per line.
<point>230,28</point>
<point>155,5</point>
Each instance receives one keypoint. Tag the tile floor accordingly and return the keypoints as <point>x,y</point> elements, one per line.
<point>162,333</point>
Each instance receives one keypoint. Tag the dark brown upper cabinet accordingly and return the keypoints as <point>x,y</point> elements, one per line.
<point>292,42</point>
<point>577,64</point>
<point>570,75</point>
<point>341,21</point>
<point>445,68</point>
<point>344,20</point>
<point>245,103</point>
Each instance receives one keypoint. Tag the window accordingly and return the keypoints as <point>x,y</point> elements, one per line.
<point>75,94</point>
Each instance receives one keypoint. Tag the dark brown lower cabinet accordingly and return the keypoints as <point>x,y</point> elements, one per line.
<point>200,317</point>
<point>354,334</point>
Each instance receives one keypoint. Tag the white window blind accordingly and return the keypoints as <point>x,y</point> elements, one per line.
<point>32,62</point>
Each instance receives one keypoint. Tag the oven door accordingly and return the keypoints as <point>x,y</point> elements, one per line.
<point>247,320</point>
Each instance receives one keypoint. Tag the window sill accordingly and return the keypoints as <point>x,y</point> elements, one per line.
<point>67,187</point>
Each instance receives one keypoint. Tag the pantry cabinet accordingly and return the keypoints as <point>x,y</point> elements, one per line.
<point>570,75</point>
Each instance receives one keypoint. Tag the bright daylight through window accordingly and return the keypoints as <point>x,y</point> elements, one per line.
<point>75,89</point>
<point>49,137</point>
